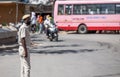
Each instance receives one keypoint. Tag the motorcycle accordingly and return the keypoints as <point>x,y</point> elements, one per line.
<point>53,34</point>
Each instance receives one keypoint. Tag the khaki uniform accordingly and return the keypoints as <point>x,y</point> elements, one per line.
<point>25,61</point>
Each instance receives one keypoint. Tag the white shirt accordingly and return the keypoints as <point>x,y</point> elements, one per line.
<point>24,33</point>
<point>47,24</point>
<point>33,18</point>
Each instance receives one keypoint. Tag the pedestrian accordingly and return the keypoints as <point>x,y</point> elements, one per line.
<point>33,22</point>
<point>24,45</point>
<point>40,21</point>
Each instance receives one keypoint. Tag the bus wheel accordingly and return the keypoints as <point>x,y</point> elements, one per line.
<point>82,29</point>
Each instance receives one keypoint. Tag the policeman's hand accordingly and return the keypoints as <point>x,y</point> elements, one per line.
<point>25,54</point>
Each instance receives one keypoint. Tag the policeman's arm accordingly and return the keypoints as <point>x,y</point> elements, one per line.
<point>24,46</point>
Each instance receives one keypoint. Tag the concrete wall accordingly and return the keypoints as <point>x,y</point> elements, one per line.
<point>7,36</point>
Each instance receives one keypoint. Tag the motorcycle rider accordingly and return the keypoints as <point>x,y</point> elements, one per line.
<point>48,23</point>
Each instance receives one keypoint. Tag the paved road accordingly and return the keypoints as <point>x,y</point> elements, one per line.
<point>74,55</point>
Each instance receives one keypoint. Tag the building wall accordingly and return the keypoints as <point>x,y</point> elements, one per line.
<point>8,12</point>
<point>21,11</point>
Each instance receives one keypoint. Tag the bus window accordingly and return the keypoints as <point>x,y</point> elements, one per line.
<point>79,9</point>
<point>60,9</point>
<point>83,9</point>
<point>93,9</point>
<point>76,9</point>
<point>107,9</point>
<point>68,9</point>
<point>117,8</point>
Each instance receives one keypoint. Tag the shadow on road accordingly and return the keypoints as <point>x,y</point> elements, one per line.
<point>8,52</point>
<point>12,52</point>
<point>65,51</point>
<point>109,75</point>
<point>52,46</point>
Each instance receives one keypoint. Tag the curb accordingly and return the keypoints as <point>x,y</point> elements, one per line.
<point>8,47</point>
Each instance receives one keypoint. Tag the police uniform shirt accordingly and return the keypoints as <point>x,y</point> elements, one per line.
<point>24,33</point>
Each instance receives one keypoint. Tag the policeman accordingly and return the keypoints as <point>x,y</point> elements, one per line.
<point>24,45</point>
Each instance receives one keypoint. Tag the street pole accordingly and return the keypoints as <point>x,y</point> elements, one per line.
<point>16,11</point>
<point>53,7</point>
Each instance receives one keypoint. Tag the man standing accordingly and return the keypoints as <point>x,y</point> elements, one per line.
<point>40,21</point>
<point>33,22</point>
<point>24,45</point>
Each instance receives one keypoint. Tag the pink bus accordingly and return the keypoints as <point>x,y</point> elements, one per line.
<point>87,15</point>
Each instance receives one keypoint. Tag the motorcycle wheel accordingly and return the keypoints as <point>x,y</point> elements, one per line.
<point>56,38</point>
<point>50,38</point>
